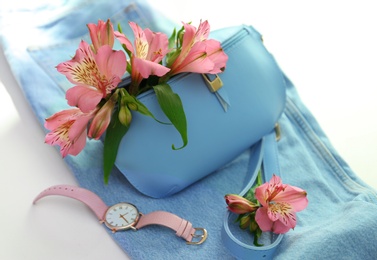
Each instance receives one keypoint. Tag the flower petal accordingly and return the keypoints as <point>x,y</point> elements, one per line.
<point>279,228</point>
<point>116,63</point>
<point>59,136</point>
<point>141,43</point>
<point>158,45</point>
<point>111,65</point>
<point>60,118</point>
<point>82,69</point>
<point>295,196</point>
<point>203,31</point>
<point>264,222</point>
<point>124,40</point>
<point>282,212</point>
<point>196,61</point>
<point>261,194</point>
<point>84,97</point>
<point>217,56</point>
<point>188,39</point>
<point>147,68</point>
<point>101,34</point>
<point>78,145</point>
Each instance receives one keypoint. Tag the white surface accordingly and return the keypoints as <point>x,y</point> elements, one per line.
<point>323,46</point>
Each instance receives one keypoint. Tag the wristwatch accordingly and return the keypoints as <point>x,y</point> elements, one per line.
<point>124,215</point>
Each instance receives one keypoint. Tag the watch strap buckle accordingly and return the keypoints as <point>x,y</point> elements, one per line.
<point>199,236</point>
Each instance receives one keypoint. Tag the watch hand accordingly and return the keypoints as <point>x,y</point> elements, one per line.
<point>122,216</point>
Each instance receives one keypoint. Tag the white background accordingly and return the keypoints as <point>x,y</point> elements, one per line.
<point>327,48</point>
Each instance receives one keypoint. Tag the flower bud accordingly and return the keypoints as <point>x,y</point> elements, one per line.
<point>239,205</point>
<point>125,115</point>
<point>253,226</point>
<point>245,221</point>
<point>102,118</point>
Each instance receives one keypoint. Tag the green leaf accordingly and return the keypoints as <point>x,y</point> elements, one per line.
<point>171,105</point>
<point>180,34</point>
<point>134,104</point>
<point>120,28</point>
<point>172,39</point>
<point>250,195</point>
<point>141,108</point>
<point>114,134</point>
<point>173,50</point>
<point>172,57</point>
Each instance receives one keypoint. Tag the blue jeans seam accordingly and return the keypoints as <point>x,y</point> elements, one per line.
<point>293,112</point>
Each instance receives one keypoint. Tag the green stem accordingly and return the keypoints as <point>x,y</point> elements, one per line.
<point>164,79</point>
<point>259,178</point>
<point>133,89</point>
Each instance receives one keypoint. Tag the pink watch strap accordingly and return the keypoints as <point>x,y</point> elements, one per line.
<point>182,227</point>
<point>89,198</point>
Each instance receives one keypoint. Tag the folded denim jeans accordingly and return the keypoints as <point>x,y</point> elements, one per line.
<point>342,213</point>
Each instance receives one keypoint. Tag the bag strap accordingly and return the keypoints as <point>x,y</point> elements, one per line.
<point>263,154</point>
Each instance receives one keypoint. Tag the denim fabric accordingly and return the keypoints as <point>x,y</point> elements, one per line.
<point>341,217</point>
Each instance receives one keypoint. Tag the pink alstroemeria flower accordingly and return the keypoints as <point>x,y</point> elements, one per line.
<point>95,75</point>
<point>150,49</point>
<point>68,130</point>
<point>101,34</point>
<point>280,202</point>
<point>239,205</point>
<point>199,54</point>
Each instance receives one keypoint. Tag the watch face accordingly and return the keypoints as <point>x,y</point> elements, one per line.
<point>121,216</point>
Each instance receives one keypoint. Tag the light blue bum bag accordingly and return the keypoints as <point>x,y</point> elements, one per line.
<point>221,125</point>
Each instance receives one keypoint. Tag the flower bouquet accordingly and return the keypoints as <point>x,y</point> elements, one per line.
<point>102,102</point>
